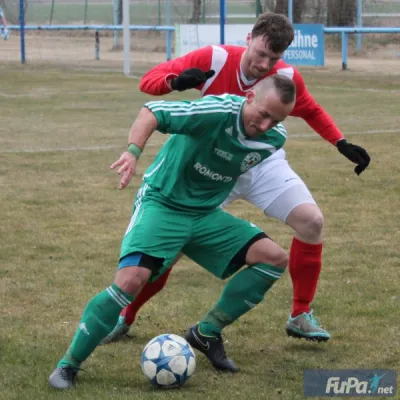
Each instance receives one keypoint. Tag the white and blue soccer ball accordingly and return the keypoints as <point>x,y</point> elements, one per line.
<point>168,361</point>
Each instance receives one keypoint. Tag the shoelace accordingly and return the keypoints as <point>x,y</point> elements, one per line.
<point>312,319</point>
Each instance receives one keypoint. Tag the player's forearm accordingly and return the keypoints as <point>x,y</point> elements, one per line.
<point>156,83</point>
<point>143,127</point>
<point>308,109</point>
<point>324,125</point>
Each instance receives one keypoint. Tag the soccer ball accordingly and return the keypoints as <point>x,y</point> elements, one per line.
<point>168,361</point>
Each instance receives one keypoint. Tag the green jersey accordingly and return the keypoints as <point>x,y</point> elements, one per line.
<point>208,150</point>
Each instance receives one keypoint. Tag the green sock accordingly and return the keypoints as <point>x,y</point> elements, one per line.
<point>242,293</point>
<point>98,320</point>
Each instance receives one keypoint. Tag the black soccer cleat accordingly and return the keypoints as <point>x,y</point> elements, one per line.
<point>212,348</point>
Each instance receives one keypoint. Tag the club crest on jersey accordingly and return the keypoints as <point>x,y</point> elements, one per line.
<point>250,161</point>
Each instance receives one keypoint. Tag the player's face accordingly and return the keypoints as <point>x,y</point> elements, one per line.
<point>259,58</point>
<point>261,114</point>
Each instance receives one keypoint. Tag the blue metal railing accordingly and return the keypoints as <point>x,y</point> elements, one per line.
<point>345,31</point>
<point>97,29</point>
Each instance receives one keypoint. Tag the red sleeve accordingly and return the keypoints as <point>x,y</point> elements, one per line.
<point>315,116</point>
<point>154,82</point>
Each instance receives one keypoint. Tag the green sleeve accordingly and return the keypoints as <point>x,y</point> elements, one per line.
<point>277,136</point>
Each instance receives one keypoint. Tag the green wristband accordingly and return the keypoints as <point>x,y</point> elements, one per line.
<point>135,150</point>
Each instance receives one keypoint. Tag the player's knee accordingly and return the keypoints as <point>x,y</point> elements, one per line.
<point>307,221</point>
<point>266,251</point>
<point>132,279</point>
<point>313,226</point>
<point>280,259</point>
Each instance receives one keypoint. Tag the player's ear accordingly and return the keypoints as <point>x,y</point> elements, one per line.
<point>250,96</point>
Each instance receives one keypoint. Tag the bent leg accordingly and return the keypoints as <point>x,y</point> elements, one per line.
<point>150,289</point>
<point>222,245</point>
<point>157,230</point>
<point>98,320</point>
<point>267,262</point>
<point>305,261</point>
<point>145,250</point>
<point>101,314</point>
<point>281,194</point>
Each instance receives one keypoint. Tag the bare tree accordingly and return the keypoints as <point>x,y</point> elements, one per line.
<point>319,11</point>
<point>282,7</point>
<point>269,5</point>
<point>196,14</point>
<point>299,6</point>
<point>342,12</point>
<point>120,15</point>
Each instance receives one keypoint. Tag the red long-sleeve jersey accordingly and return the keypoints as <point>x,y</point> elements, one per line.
<point>228,78</point>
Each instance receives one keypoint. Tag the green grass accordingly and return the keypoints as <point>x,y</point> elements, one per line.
<point>382,7</point>
<point>140,13</point>
<point>62,220</point>
<point>152,13</point>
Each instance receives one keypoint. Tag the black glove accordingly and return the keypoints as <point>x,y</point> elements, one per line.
<point>190,79</point>
<point>355,154</point>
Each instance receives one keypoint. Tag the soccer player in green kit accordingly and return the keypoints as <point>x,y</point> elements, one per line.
<point>214,140</point>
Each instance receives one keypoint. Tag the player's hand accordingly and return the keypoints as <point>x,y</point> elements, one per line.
<point>127,168</point>
<point>355,154</point>
<point>190,78</point>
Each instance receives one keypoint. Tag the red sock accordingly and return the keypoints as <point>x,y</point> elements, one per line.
<point>305,262</point>
<point>149,290</point>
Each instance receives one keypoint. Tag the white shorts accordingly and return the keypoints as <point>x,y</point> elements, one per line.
<point>273,187</point>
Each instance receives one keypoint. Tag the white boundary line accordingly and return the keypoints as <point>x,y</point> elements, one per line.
<point>353,89</point>
<point>48,93</point>
<point>345,134</point>
<point>110,147</point>
<point>48,150</point>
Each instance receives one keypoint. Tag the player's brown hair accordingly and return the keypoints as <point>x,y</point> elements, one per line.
<point>283,85</point>
<point>276,29</point>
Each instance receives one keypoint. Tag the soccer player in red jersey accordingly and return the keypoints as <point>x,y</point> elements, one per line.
<point>272,186</point>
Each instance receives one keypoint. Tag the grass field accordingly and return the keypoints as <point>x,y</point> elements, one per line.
<point>153,12</point>
<point>62,219</point>
<point>141,13</point>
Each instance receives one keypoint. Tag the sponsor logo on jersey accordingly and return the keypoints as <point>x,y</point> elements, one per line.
<point>229,130</point>
<point>215,176</point>
<point>250,161</point>
<point>223,154</point>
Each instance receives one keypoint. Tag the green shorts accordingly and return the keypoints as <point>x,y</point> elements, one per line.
<point>212,239</point>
